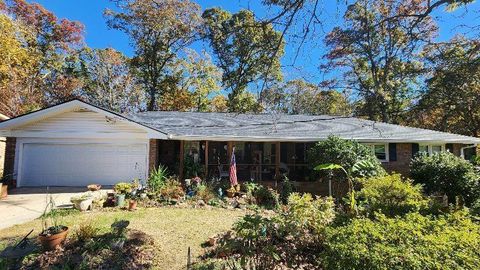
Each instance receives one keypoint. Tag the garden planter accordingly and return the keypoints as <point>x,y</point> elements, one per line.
<point>132,205</point>
<point>83,205</point>
<point>3,191</point>
<point>119,200</point>
<point>50,242</point>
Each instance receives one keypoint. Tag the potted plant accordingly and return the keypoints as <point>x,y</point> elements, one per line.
<point>82,202</point>
<point>54,235</point>
<point>121,189</point>
<point>132,200</point>
<point>231,192</point>
<point>94,187</point>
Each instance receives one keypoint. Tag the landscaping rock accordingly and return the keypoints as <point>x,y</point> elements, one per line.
<point>201,203</point>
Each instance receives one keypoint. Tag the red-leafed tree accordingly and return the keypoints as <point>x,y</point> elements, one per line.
<point>48,73</point>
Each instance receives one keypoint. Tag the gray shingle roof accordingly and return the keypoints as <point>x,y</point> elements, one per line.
<point>282,127</point>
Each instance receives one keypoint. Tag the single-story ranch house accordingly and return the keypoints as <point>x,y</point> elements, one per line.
<point>76,143</point>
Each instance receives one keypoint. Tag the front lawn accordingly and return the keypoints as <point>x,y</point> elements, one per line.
<point>173,229</point>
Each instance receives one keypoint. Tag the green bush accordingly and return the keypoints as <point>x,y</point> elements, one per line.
<point>286,189</point>
<point>390,195</point>
<point>345,153</point>
<point>266,197</point>
<point>303,212</point>
<point>447,174</point>
<point>411,242</point>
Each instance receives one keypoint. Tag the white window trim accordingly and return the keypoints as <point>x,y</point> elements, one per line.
<point>387,151</point>
<point>430,146</point>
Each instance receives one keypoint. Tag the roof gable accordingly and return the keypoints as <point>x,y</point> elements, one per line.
<point>76,118</point>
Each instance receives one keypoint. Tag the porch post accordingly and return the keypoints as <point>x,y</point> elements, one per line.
<point>206,160</point>
<point>180,173</point>
<point>229,151</point>
<point>277,160</point>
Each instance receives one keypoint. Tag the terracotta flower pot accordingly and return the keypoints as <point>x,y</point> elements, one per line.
<point>132,205</point>
<point>230,194</point>
<point>50,242</point>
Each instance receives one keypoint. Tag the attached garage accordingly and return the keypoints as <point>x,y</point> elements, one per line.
<point>76,144</point>
<point>80,164</point>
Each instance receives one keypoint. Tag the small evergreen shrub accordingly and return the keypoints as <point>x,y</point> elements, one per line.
<point>447,174</point>
<point>390,195</point>
<point>286,189</point>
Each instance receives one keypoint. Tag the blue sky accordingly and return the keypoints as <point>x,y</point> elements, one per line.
<point>97,34</point>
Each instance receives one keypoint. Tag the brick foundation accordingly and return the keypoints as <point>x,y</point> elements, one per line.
<point>153,155</point>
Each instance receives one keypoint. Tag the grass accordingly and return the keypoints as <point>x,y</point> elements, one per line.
<point>174,229</point>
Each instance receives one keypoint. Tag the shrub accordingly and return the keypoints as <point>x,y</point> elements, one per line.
<point>345,153</point>
<point>285,190</point>
<point>304,212</point>
<point>447,174</point>
<point>172,189</point>
<point>390,195</point>
<point>157,178</point>
<point>411,242</point>
<point>86,231</point>
<point>205,193</point>
<point>266,197</point>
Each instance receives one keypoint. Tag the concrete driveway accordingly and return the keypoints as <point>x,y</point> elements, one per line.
<point>26,204</point>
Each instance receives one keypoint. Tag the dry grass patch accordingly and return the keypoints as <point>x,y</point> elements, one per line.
<point>173,229</point>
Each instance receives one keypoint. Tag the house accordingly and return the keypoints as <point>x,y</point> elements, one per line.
<point>76,143</point>
<point>2,146</point>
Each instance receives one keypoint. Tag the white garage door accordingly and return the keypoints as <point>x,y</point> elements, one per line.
<point>81,164</point>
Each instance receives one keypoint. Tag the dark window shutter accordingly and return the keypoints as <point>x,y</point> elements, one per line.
<point>415,149</point>
<point>392,151</point>
<point>449,147</point>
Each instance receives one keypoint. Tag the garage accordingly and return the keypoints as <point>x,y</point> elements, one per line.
<point>54,164</point>
<point>76,144</point>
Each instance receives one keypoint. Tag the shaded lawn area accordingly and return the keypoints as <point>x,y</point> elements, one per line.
<point>174,229</point>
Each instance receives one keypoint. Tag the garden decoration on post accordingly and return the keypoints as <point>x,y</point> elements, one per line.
<point>360,168</point>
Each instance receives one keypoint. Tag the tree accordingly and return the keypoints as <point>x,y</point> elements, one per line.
<point>109,82</point>
<point>377,50</point>
<point>246,50</point>
<point>158,30</point>
<point>300,97</point>
<point>218,104</point>
<point>452,95</point>
<point>198,77</point>
<point>48,76</point>
<point>17,62</point>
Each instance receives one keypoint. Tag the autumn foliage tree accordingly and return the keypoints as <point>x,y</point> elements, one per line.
<point>301,97</point>
<point>377,52</point>
<point>158,30</point>
<point>451,101</point>
<point>44,70</point>
<point>246,50</point>
<point>109,82</point>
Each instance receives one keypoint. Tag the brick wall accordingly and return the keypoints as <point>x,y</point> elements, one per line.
<point>2,153</point>
<point>10,157</point>
<point>153,155</point>
<point>402,164</point>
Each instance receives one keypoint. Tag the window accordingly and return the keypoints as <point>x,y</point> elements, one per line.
<point>380,151</point>
<point>431,148</point>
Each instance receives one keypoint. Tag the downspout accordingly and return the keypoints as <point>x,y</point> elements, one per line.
<point>462,153</point>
